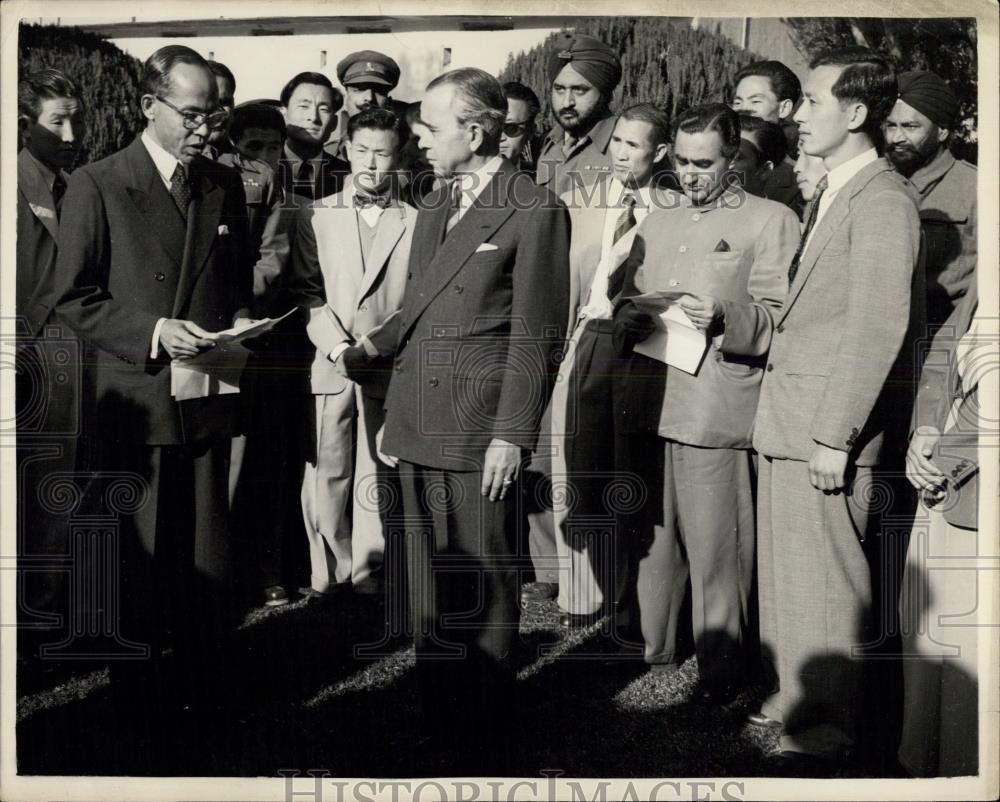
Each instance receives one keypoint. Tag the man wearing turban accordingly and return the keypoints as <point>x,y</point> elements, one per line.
<point>916,140</point>
<point>583,73</point>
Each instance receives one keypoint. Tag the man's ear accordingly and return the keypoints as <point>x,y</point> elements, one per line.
<point>765,167</point>
<point>24,127</point>
<point>660,153</point>
<point>943,134</point>
<point>859,116</point>
<point>477,137</point>
<point>148,104</point>
<point>785,109</point>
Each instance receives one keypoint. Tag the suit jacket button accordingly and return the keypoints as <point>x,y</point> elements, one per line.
<point>159,276</point>
<point>459,289</point>
<point>770,367</point>
<point>433,382</point>
<point>409,275</point>
<point>781,329</point>
<point>364,308</point>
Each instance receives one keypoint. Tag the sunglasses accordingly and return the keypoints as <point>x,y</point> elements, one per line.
<point>514,129</point>
<point>196,119</point>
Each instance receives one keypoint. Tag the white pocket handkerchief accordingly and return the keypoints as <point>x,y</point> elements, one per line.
<point>486,247</point>
<point>223,230</point>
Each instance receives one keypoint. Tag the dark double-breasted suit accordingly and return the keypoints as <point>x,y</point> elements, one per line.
<point>485,309</point>
<point>127,258</point>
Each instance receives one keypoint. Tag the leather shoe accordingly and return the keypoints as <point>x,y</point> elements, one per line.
<point>275,596</point>
<point>798,764</point>
<point>579,620</point>
<point>538,592</point>
<point>718,695</point>
<point>759,719</point>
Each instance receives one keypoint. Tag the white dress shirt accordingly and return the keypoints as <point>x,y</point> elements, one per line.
<point>836,179</point>
<point>472,185</point>
<point>598,307</point>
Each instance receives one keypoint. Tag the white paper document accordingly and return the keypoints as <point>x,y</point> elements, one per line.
<point>675,340</point>
<point>218,370</point>
<point>247,330</point>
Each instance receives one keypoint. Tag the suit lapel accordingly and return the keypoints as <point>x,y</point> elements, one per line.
<point>831,221</point>
<point>202,229</point>
<point>33,186</point>
<point>153,201</point>
<point>390,229</point>
<point>489,211</point>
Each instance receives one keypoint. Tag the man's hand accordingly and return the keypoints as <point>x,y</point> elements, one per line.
<point>702,310</point>
<point>827,467</point>
<point>922,473</point>
<point>351,363</point>
<point>388,459</point>
<point>183,339</point>
<point>636,325</point>
<point>500,468</point>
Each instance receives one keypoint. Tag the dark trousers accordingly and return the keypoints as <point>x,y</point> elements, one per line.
<point>597,570</point>
<point>464,599</point>
<point>175,557</point>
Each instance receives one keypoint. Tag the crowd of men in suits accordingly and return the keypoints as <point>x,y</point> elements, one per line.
<point>468,368</point>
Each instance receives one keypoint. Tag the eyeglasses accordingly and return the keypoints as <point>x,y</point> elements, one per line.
<point>196,119</point>
<point>514,129</point>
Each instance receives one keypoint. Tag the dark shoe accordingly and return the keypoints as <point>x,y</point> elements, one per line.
<point>312,596</point>
<point>275,596</point>
<point>758,719</point>
<point>538,592</point>
<point>579,620</point>
<point>798,764</point>
<point>720,695</point>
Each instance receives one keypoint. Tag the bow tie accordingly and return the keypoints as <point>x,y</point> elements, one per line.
<point>366,201</point>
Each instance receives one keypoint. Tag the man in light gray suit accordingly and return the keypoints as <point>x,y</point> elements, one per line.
<point>823,410</point>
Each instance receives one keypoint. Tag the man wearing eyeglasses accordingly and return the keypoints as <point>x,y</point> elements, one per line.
<point>152,261</point>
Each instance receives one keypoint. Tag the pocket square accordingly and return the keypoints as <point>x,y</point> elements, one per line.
<point>722,246</point>
<point>486,247</point>
<point>223,230</point>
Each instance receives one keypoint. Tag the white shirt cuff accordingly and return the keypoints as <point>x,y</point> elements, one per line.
<point>338,349</point>
<point>154,349</point>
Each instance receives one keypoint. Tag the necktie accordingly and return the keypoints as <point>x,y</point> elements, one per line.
<point>456,206</point>
<point>180,190</point>
<point>304,180</point>
<point>626,220</point>
<point>58,190</point>
<point>362,201</point>
<point>810,222</point>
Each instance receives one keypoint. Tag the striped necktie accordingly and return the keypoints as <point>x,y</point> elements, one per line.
<point>810,222</point>
<point>626,220</point>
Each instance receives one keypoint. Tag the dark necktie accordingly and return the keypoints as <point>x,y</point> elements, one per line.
<point>58,190</point>
<point>455,206</point>
<point>180,190</point>
<point>810,222</point>
<point>304,180</point>
<point>626,220</point>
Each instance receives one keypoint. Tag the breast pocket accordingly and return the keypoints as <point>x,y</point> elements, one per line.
<point>722,275</point>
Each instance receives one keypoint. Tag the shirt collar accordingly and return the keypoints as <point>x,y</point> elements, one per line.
<point>292,157</point>
<point>473,184</point>
<point>599,134</point>
<point>165,162</point>
<point>930,174</point>
<point>841,174</point>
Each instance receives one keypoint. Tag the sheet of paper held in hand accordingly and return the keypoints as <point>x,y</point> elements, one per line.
<point>675,341</point>
<point>217,371</point>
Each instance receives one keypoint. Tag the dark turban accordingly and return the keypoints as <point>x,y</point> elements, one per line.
<point>590,57</point>
<point>930,95</point>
